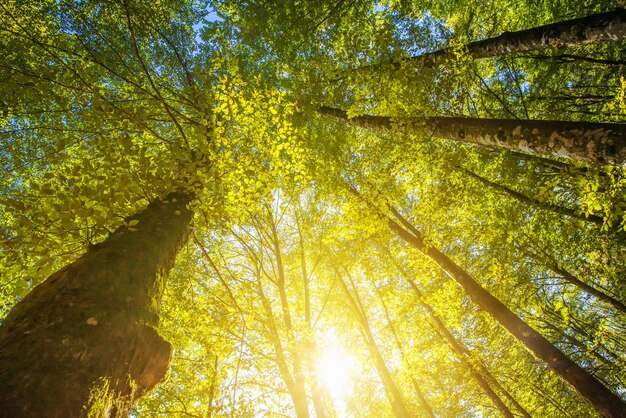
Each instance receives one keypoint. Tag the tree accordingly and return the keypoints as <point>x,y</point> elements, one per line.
<point>570,278</point>
<point>465,357</point>
<point>107,107</point>
<point>534,202</point>
<point>606,402</point>
<point>98,313</point>
<point>140,114</point>
<point>418,391</point>
<point>398,405</point>
<point>600,143</point>
<point>601,27</point>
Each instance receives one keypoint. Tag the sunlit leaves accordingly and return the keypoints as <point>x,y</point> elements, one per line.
<point>104,106</point>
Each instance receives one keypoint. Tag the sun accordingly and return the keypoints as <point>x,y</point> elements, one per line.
<point>335,371</point>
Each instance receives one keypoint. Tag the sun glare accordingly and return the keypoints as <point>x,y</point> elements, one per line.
<point>335,371</point>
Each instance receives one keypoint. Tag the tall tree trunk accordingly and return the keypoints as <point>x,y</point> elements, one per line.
<point>298,377</point>
<point>311,348</point>
<point>601,27</point>
<point>428,410</point>
<point>398,406</point>
<point>297,394</point>
<point>294,387</point>
<point>559,210</point>
<point>605,358</point>
<point>602,143</point>
<point>570,278</point>
<point>606,402</point>
<point>552,264</point>
<point>465,355</point>
<point>84,339</point>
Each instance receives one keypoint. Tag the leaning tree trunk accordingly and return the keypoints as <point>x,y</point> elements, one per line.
<point>606,402</point>
<point>464,355</point>
<point>570,278</point>
<point>398,406</point>
<point>559,210</point>
<point>602,27</point>
<point>602,143</point>
<point>426,408</point>
<point>83,342</point>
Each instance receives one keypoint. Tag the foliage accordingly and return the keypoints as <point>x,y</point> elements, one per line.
<point>106,105</point>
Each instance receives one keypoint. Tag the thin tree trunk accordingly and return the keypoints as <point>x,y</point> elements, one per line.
<point>601,143</point>
<point>296,391</point>
<point>418,391</point>
<point>567,58</point>
<point>282,290</point>
<point>210,408</point>
<point>311,346</point>
<point>304,273</point>
<point>465,355</point>
<point>560,210</point>
<point>575,342</point>
<point>570,278</point>
<point>459,349</point>
<point>601,27</point>
<point>462,352</point>
<point>549,262</point>
<point>548,162</point>
<point>298,396</point>
<point>393,393</point>
<point>84,341</point>
<point>606,402</point>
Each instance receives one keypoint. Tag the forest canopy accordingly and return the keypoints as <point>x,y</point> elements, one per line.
<point>214,208</point>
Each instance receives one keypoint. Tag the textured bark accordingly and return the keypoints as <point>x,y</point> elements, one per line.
<point>606,402</point>
<point>560,210</point>
<point>84,340</point>
<point>602,143</point>
<point>602,27</point>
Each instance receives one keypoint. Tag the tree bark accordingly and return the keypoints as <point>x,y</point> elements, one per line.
<point>606,402</point>
<point>297,394</point>
<point>83,342</point>
<point>298,377</point>
<point>480,369</point>
<point>601,27</point>
<point>463,354</point>
<point>286,358</point>
<point>548,260</point>
<point>601,143</point>
<point>310,344</point>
